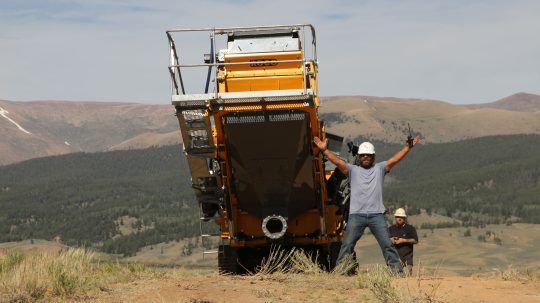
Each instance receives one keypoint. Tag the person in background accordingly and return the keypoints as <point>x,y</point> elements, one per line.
<point>404,237</point>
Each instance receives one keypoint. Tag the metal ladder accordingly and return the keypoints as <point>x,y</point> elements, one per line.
<point>196,129</point>
<point>207,235</point>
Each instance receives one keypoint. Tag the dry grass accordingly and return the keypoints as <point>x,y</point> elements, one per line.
<point>347,266</point>
<point>380,280</point>
<point>278,262</point>
<point>73,272</point>
<point>429,292</point>
<point>385,285</point>
<point>41,276</point>
<point>302,262</point>
<point>388,287</point>
<point>281,261</point>
<point>526,274</point>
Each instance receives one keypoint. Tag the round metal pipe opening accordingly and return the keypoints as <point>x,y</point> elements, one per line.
<point>274,227</point>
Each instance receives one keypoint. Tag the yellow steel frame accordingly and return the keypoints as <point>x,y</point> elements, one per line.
<point>268,76</point>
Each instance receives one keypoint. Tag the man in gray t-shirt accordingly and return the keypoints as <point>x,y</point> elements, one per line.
<point>366,203</point>
<point>366,188</point>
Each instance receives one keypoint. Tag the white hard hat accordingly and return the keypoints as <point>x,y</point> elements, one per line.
<point>366,148</point>
<point>400,212</point>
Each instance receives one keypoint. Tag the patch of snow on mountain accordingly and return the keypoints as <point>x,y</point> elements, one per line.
<point>4,113</point>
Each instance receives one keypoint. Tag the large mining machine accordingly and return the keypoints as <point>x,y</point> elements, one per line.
<point>248,142</point>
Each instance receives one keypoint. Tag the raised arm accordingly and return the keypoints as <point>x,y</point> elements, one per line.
<point>323,146</point>
<point>400,154</point>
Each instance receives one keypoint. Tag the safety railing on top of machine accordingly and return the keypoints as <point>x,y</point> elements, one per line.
<point>177,83</point>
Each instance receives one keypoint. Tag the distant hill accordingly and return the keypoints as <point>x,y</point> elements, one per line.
<point>121,201</point>
<point>387,119</point>
<point>44,128</point>
<point>520,102</point>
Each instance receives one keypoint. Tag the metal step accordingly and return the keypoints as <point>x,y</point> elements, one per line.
<point>206,234</point>
<point>210,235</point>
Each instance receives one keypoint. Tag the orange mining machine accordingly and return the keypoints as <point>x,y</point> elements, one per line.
<point>248,143</point>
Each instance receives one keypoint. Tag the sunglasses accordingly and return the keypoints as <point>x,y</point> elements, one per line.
<point>365,155</point>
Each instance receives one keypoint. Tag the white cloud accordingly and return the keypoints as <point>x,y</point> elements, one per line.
<point>459,51</point>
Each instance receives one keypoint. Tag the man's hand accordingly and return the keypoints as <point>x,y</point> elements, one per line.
<point>396,240</point>
<point>390,163</point>
<point>415,140</point>
<point>322,145</point>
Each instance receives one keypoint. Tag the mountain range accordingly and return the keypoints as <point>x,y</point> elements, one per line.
<point>388,119</point>
<point>43,128</point>
<point>120,201</point>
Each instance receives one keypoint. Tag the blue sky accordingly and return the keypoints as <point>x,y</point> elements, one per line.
<point>455,51</point>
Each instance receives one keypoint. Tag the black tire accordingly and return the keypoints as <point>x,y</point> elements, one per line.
<point>250,258</point>
<point>239,261</point>
<point>328,255</point>
<point>333,252</point>
<point>228,260</point>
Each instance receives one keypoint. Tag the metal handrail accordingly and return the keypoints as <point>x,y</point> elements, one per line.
<point>239,63</point>
<point>173,61</point>
<point>174,65</point>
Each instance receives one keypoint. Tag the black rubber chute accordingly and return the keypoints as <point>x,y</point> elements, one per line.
<point>271,162</point>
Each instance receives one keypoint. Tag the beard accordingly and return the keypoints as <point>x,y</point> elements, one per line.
<point>366,163</point>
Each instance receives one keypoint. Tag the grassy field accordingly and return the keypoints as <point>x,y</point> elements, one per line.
<point>496,263</point>
<point>57,275</point>
<point>453,253</point>
<point>75,275</point>
<point>447,250</point>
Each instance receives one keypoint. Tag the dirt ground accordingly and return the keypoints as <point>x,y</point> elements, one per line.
<point>210,288</point>
<point>457,269</point>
